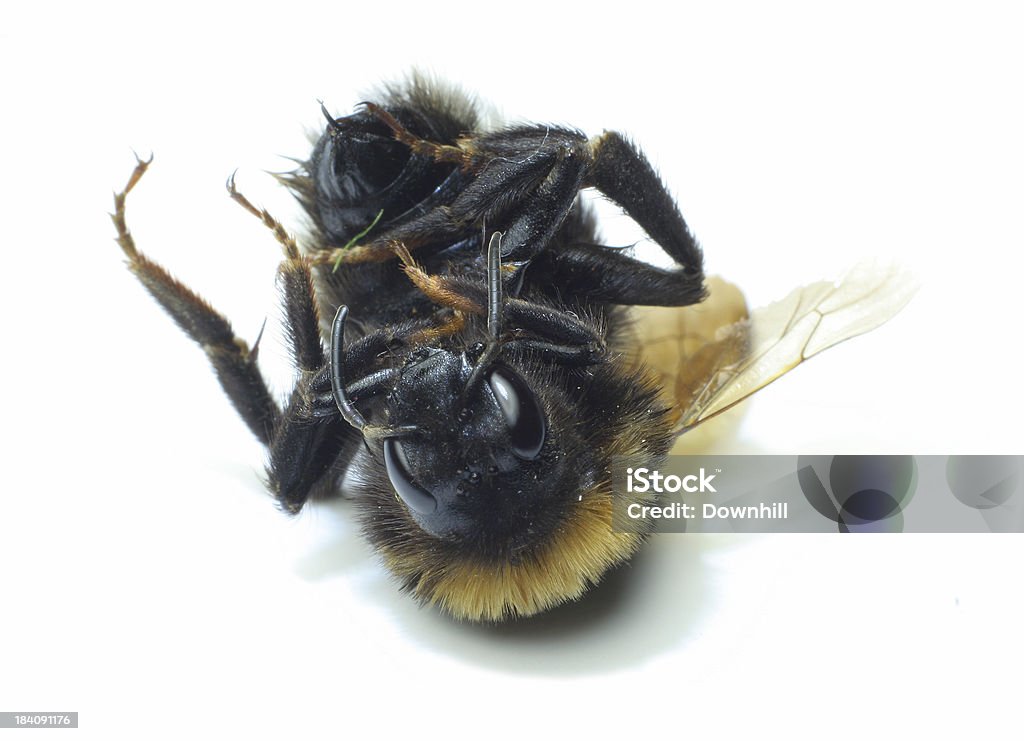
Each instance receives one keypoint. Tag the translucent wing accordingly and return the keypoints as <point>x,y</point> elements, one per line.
<point>712,356</point>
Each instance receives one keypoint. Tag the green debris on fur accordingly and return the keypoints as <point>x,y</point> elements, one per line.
<point>352,242</point>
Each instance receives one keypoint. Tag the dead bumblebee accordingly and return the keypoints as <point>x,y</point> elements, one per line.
<point>469,356</point>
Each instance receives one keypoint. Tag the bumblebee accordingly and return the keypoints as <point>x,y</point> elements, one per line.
<point>470,358</point>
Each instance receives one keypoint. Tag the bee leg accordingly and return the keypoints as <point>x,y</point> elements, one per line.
<point>543,166</point>
<point>441,289</point>
<point>470,297</point>
<point>302,318</point>
<point>438,152</point>
<point>532,223</point>
<point>563,353</point>
<point>233,361</point>
<point>304,446</point>
<point>606,274</point>
<point>623,174</point>
<point>371,385</point>
<point>312,438</point>
<point>560,335</point>
<point>527,182</point>
<point>363,354</point>
<point>534,220</point>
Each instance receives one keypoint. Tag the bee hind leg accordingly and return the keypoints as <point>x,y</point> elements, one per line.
<point>621,172</point>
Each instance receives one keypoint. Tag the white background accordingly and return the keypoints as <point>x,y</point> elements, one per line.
<point>145,574</point>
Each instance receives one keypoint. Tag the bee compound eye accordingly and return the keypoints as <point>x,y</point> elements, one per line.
<point>521,410</point>
<point>415,496</point>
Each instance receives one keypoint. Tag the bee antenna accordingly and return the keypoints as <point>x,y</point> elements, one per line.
<point>345,406</point>
<point>332,123</point>
<point>374,433</point>
<point>494,287</point>
<point>494,306</point>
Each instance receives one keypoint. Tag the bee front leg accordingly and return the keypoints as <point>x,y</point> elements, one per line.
<point>233,360</point>
<point>558,334</point>
<point>304,447</point>
<point>362,355</point>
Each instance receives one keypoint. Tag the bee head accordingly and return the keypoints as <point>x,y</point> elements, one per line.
<point>504,507</point>
<point>476,463</point>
